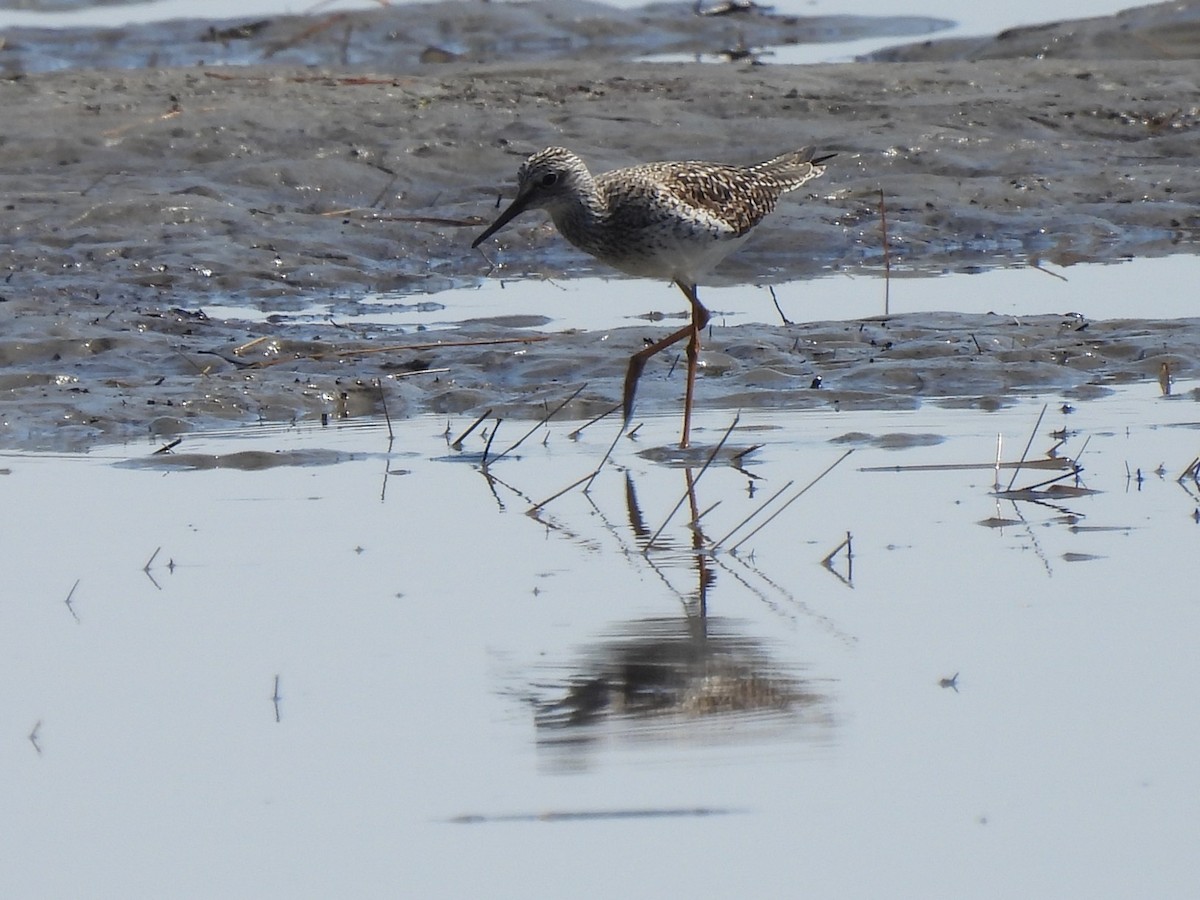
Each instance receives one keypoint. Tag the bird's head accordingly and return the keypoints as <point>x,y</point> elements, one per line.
<point>549,179</point>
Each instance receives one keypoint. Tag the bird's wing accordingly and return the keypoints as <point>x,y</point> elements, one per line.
<point>725,199</point>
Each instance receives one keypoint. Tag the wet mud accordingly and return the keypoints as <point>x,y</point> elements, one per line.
<point>133,199</point>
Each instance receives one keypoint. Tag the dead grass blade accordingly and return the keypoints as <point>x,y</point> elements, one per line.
<point>458,443</point>
<point>1028,444</point>
<point>800,493</point>
<point>695,481</point>
<point>546,418</point>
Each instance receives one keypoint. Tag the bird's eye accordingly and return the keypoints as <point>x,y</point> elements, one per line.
<point>549,179</point>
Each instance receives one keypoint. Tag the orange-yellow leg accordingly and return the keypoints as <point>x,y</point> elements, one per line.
<point>637,362</point>
<point>699,323</point>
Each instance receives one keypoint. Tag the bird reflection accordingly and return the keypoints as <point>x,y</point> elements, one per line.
<point>673,671</point>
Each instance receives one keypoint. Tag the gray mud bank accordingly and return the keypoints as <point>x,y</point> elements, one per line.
<point>133,199</point>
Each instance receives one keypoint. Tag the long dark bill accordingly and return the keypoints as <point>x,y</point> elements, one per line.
<point>518,206</point>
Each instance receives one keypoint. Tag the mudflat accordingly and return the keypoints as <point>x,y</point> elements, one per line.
<point>135,197</point>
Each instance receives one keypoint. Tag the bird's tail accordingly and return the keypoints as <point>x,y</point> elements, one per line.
<point>796,168</point>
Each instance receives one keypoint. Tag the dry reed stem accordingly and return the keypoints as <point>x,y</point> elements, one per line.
<point>794,498</point>
<point>761,507</point>
<point>1028,444</point>
<point>694,482</point>
<point>488,446</point>
<point>574,435</point>
<point>550,415</point>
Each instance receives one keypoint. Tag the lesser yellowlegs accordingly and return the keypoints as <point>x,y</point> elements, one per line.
<point>670,220</point>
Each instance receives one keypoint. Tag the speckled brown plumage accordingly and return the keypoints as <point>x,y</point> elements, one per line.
<point>673,220</point>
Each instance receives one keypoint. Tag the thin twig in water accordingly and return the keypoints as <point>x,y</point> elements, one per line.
<point>457,445</point>
<point>70,594</point>
<point>574,484</point>
<point>1190,470</point>
<point>793,499</point>
<point>167,448</point>
<point>828,560</point>
<point>383,402</point>
<point>607,453</point>
<point>1041,484</point>
<point>146,569</point>
<point>999,451</point>
<point>1082,450</point>
<point>1028,444</point>
<point>546,418</point>
<point>275,698</point>
<point>761,507</point>
<point>586,480</point>
<point>488,445</point>
<point>574,435</point>
<point>695,481</point>
<point>695,523</point>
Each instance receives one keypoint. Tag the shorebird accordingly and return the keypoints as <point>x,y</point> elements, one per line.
<point>669,220</point>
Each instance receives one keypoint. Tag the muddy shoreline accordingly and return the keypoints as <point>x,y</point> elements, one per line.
<point>134,198</point>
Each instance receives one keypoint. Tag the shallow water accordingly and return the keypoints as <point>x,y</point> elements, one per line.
<point>430,645</point>
<point>306,661</point>
<point>1148,287</point>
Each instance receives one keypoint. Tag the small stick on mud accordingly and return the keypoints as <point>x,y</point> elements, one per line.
<point>778,308</point>
<point>387,187</point>
<point>694,482</point>
<point>303,35</point>
<point>457,444</point>
<point>242,348</point>
<point>546,418</point>
<point>438,345</point>
<point>771,518</point>
<point>1028,444</point>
